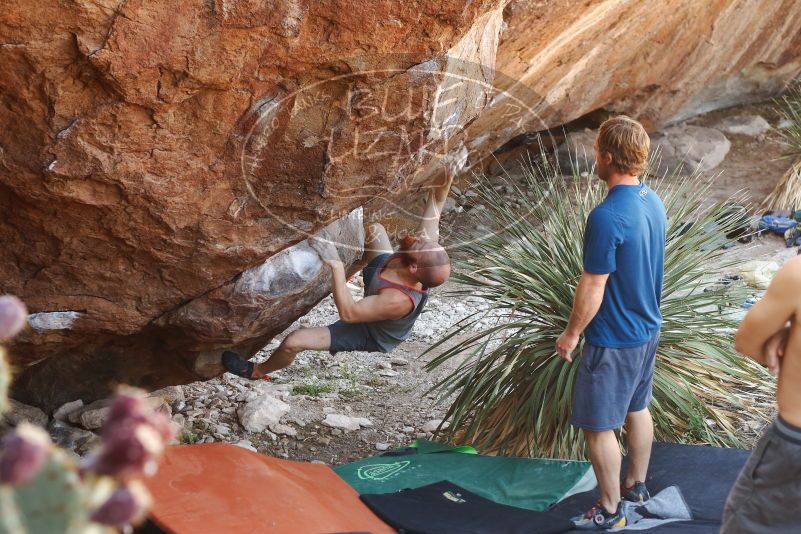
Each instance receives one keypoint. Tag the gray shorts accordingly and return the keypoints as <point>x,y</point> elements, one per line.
<point>611,383</point>
<point>767,494</point>
<point>346,337</point>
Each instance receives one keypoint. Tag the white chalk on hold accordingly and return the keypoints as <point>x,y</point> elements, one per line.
<point>305,261</point>
<point>59,320</point>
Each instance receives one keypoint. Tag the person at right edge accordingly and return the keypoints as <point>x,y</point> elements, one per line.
<point>767,495</point>
<point>616,306</point>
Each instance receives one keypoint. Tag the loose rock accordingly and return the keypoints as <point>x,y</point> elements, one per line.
<point>171,394</point>
<point>263,411</point>
<point>19,412</point>
<point>284,430</point>
<point>76,439</point>
<point>245,444</point>
<point>345,422</point>
<point>62,413</point>
<point>434,424</point>
<point>750,125</point>
<point>94,419</point>
<point>689,148</point>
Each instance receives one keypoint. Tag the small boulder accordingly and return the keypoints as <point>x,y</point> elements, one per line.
<point>246,444</point>
<point>434,424</point>
<point>261,412</point>
<point>363,422</point>
<point>73,438</point>
<point>171,394</point>
<point>689,148</point>
<point>74,417</point>
<point>381,446</point>
<point>95,418</point>
<point>62,413</point>
<point>399,361</point>
<point>339,421</point>
<point>387,372</point>
<point>19,412</point>
<point>179,420</point>
<point>750,125</point>
<point>283,430</point>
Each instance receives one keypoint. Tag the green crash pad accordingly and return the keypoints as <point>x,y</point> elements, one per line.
<point>534,484</point>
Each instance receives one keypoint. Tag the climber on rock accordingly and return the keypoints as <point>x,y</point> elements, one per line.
<point>396,288</point>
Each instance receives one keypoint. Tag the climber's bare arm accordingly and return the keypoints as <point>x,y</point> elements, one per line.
<point>770,315</point>
<point>453,163</point>
<point>385,305</point>
<point>429,226</point>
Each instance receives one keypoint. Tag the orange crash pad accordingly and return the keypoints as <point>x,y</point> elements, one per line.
<point>219,487</point>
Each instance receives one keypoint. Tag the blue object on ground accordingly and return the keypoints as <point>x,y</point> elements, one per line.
<point>750,301</point>
<point>777,224</point>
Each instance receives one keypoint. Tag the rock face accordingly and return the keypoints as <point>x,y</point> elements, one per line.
<point>162,163</point>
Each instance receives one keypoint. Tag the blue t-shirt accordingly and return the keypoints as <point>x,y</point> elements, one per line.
<point>625,237</point>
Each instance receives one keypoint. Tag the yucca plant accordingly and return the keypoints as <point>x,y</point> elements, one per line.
<point>787,193</point>
<point>511,393</point>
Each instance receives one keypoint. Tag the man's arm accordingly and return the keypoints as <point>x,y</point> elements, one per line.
<point>429,226</point>
<point>587,301</point>
<point>385,305</point>
<point>769,316</point>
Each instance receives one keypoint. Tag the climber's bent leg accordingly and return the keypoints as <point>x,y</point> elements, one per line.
<point>297,341</point>
<point>376,242</point>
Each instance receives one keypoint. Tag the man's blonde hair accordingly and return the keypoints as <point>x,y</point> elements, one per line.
<point>628,143</point>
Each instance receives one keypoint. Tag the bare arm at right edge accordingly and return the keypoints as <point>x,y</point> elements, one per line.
<point>768,318</point>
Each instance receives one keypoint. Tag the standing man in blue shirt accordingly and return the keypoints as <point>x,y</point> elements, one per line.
<point>616,306</point>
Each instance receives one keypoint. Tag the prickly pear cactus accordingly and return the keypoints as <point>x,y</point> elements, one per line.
<point>41,491</point>
<point>5,379</point>
<point>54,501</point>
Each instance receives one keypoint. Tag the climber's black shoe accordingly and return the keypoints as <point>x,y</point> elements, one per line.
<point>236,365</point>
<point>636,493</point>
<point>597,518</point>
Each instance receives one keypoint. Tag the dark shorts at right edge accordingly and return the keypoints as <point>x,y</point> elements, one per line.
<point>767,494</point>
<point>611,382</point>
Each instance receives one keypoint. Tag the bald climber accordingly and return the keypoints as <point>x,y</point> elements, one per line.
<point>396,285</point>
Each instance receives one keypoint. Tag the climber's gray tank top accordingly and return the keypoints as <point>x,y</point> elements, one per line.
<point>390,333</point>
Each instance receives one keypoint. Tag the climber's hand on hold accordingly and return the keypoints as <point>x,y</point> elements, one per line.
<point>456,162</point>
<point>326,250</point>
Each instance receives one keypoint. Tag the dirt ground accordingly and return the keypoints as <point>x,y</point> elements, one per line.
<point>392,390</point>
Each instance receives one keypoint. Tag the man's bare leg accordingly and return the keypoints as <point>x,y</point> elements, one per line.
<point>606,459</point>
<point>639,439</point>
<point>297,341</point>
